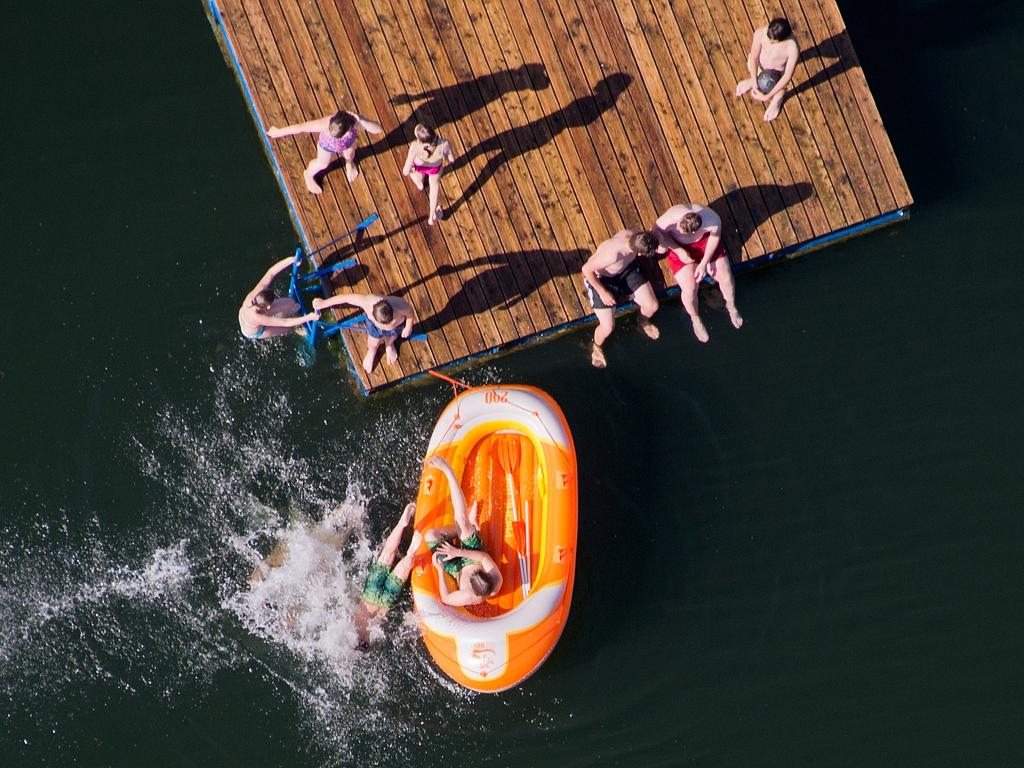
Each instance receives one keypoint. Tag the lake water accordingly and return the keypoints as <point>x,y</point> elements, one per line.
<point>799,545</point>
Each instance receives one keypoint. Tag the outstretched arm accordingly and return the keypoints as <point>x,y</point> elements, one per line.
<point>755,54</point>
<point>360,300</point>
<point>368,125</point>
<point>288,322</point>
<point>313,126</point>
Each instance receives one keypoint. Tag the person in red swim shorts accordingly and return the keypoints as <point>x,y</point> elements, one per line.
<point>692,236</point>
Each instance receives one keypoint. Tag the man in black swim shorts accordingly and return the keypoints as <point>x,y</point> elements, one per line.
<point>614,275</point>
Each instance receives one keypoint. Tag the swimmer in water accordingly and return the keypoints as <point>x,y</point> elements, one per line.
<point>771,62</point>
<point>384,582</point>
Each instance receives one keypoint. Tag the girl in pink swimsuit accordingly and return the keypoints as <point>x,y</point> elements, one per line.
<point>426,159</point>
<point>336,136</point>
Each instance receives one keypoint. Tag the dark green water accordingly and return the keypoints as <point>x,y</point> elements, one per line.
<point>800,545</point>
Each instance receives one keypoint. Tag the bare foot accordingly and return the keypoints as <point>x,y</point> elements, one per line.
<point>436,216</point>
<point>392,354</point>
<point>737,319</point>
<point>351,170</point>
<point>650,329</point>
<point>699,330</point>
<point>773,110</point>
<point>368,360</point>
<point>597,358</point>
<point>743,86</point>
<point>407,513</point>
<point>311,184</point>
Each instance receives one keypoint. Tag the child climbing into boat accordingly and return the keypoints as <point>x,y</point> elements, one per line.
<point>474,571</point>
<point>770,63</point>
<point>387,317</point>
<point>692,235</point>
<point>337,136</point>
<point>263,314</point>
<point>427,156</point>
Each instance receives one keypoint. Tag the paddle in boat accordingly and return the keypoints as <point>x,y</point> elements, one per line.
<point>512,451</point>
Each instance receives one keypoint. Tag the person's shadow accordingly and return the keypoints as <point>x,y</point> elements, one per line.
<point>504,280</point>
<point>517,141</point>
<point>831,49</point>
<point>451,103</point>
<point>737,230</point>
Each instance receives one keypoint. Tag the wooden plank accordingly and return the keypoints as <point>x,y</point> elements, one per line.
<point>571,119</point>
<point>355,197</point>
<point>821,166</point>
<point>665,36</point>
<point>781,139</point>
<point>554,186</point>
<point>781,186</point>
<point>869,110</point>
<point>476,234</point>
<point>833,115</point>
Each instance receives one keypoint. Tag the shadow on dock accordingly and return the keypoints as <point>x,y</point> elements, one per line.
<point>517,141</point>
<point>504,280</point>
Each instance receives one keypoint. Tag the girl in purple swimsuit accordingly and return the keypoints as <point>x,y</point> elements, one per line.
<point>426,159</point>
<point>337,136</point>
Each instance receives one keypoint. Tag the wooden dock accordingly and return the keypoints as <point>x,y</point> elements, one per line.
<point>570,119</point>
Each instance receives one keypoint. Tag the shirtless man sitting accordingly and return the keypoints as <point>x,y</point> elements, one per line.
<point>386,318</point>
<point>263,314</point>
<point>475,571</point>
<point>692,236</point>
<point>612,275</point>
<point>771,62</point>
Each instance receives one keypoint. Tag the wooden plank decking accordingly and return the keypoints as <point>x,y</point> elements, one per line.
<point>570,119</point>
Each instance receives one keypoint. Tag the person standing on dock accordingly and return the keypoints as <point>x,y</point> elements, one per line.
<point>264,314</point>
<point>387,317</point>
<point>771,62</point>
<point>614,274</point>
<point>692,236</point>
<point>337,136</point>
<point>426,159</point>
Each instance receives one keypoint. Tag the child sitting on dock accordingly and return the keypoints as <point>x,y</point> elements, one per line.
<point>475,571</point>
<point>264,314</point>
<point>337,136</point>
<point>692,236</point>
<point>771,62</point>
<point>426,159</point>
<point>387,317</point>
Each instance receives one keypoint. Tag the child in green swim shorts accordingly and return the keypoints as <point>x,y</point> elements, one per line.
<point>475,571</point>
<point>386,578</point>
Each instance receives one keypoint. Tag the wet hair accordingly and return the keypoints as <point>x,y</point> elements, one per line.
<point>341,124</point>
<point>643,243</point>
<point>691,222</point>
<point>425,134</point>
<point>264,298</point>
<point>779,29</point>
<point>382,312</point>
<point>480,581</point>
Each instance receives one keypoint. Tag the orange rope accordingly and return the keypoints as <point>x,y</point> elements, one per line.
<point>454,382</point>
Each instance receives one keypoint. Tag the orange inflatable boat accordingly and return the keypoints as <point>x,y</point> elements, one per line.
<point>513,452</point>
